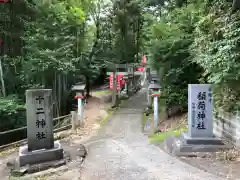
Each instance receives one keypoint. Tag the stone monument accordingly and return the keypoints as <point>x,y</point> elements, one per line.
<point>200,113</point>
<point>41,146</point>
<point>200,137</point>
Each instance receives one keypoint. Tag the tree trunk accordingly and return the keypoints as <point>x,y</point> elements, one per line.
<point>137,38</point>
<point>2,79</point>
<point>64,99</point>
<point>44,81</point>
<point>87,86</point>
<point>56,110</point>
<point>94,48</point>
<point>59,93</point>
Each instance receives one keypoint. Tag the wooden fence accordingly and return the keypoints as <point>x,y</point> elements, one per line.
<point>60,123</point>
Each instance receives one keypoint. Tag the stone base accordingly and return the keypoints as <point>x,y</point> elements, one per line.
<point>80,120</point>
<point>186,146</point>
<point>40,156</point>
<point>202,141</point>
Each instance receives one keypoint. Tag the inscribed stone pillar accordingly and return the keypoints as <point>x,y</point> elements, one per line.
<point>39,119</point>
<point>200,111</point>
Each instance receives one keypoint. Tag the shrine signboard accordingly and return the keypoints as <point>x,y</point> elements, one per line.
<point>111,81</point>
<point>144,60</point>
<point>4,1</point>
<point>140,69</point>
<point>200,110</point>
<point>119,81</point>
<point>39,119</point>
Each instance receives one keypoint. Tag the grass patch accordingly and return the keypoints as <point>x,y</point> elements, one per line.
<point>110,112</point>
<point>7,152</point>
<point>105,120</point>
<point>123,102</point>
<point>160,137</point>
<point>122,97</point>
<point>103,92</point>
<point>145,118</point>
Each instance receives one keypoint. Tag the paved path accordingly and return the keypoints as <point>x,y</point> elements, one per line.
<point>121,152</point>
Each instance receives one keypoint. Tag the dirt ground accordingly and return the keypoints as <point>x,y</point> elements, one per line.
<point>95,111</point>
<point>172,122</point>
<point>223,164</point>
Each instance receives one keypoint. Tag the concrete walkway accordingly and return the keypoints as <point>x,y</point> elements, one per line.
<point>121,152</point>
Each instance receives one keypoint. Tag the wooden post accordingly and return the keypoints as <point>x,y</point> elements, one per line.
<point>114,91</point>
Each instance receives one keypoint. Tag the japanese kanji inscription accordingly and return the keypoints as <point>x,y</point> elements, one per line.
<point>39,119</point>
<point>200,118</point>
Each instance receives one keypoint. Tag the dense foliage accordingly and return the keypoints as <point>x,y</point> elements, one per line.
<point>198,42</point>
<point>56,43</point>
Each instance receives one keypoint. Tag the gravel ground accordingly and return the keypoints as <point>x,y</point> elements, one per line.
<point>214,163</point>
<point>121,152</point>
<point>223,164</point>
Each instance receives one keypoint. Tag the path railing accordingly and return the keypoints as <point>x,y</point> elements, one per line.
<point>60,124</point>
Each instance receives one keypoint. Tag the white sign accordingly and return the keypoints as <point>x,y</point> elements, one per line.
<point>155,106</point>
<point>200,110</point>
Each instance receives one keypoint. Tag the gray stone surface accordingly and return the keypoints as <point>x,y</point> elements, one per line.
<point>39,156</point>
<point>73,156</point>
<point>228,128</point>
<point>39,119</point>
<point>182,146</point>
<point>168,144</point>
<point>147,125</point>
<point>200,111</point>
<point>200,141</point>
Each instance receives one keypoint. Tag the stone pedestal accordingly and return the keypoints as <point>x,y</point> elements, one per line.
<point>200,137</point>
<point>202,141</point>
<point>41,146</point>
<point>39,156</point>
<point>185,146</point>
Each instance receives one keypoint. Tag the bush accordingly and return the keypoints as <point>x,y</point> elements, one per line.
<point>217,50</point>
<point>171,52</point>
<point>12,113</point>
<point>198,42</point>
